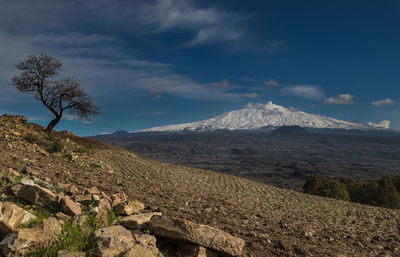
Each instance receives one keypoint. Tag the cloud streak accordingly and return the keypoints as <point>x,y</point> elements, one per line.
<point>384,102</point>
<point>304,91</point>
<point>341,99</point>
<point>250,95</point>
<point>271,83</point>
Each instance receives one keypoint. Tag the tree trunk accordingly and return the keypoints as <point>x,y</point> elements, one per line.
<point>52,124</point>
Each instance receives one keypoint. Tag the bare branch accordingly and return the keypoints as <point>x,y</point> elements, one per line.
<point>57,95</point>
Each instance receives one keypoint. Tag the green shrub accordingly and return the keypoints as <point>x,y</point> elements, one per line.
<point>94,166</point>
<point>31,138</point>
<point>73,238</point>
<point>55,147</point>
<point>384,193</point>
<point>326,187</point>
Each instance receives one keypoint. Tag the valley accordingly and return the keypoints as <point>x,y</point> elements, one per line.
<point>283,160</point>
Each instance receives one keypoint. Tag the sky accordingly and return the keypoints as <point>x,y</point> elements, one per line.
<point>158,62</point>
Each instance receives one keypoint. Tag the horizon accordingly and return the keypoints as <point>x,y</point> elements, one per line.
<point>162,62</point>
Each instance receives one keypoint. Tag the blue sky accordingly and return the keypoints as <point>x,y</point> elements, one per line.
<point>153,63</point>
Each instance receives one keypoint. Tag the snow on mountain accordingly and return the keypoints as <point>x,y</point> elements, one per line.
<point>257,116</point>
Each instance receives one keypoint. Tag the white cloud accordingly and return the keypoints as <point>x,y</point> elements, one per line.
<point>304,91</point>
<point>385,124</point>
<point>203,24</point>
<point>250,95</point>
<point>156,92</point>
<point>271,83</point>
<point>341,99</point>
<point>222,84</point>
<point>383,102</point>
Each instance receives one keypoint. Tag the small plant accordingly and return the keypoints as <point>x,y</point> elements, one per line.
<point>94,166</point>
<point>31,138</point>
<point>55,147</point>
<point>111,218</point>
<point>82,149</point>
<point>40,214</point>
<point>73,238</point>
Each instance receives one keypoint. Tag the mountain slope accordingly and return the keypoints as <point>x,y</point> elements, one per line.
<point>258,116</point>
<point>273,221</point>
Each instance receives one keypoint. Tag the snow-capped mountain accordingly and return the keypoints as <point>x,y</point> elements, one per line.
<point>257,116</point>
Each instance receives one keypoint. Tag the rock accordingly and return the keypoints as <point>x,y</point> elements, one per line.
<point>194,251</point>
<point>104,205</point>
<point>137,251</point>
<point>102,219</point>
<point>105,196</point>
<point>27,217</point>
<point>114,240</point>
<point>62,216</point>
<point>117,198</point>
<point>128,207</point>
<point>80,221</point>
<point>11,216</point>
<point>29,171</point>
<point>95,199</point>
<point>83,199</point>
<point>103,208</point>
<point>138,221</point>
<point>70,207</point>
<point>24,240</point>
<point>146,241</point>
<point>64,253</point>
<point>33,193</point>
<point>187,231</point>
<point>92,191</point>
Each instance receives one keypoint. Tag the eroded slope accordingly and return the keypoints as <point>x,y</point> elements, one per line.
<point>272,221</point>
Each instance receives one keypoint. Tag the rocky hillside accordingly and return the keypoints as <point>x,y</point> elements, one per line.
<point>113,202</point>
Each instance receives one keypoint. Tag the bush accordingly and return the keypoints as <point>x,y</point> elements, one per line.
<point>55,147</point>
<point>384,193</point>
<point>326,187</point>
<point>31,138</point>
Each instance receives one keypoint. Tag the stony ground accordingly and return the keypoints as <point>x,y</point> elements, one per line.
<point>273,221</point>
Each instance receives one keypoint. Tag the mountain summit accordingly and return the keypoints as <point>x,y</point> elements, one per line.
<point>264,116</point>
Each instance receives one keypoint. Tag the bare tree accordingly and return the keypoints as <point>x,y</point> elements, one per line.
<point>57,95</point>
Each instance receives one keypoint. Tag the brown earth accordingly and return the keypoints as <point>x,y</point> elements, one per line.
<point>273,221</point>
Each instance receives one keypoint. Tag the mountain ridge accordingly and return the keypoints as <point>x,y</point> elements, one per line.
<point>266,116</point>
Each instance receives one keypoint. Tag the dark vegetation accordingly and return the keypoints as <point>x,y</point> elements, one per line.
<point>383,193</point>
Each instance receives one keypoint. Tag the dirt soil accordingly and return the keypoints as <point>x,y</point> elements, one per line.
<point>273,221</point>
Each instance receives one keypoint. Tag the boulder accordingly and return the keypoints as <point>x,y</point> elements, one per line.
<point>138,221</point>
<point>27,239</point>
<point>64,253</point>
<point>11,215</point>
<point>182,230</point>
<point>128,207</point>
<point>111,241</point>
<point>185,250</point>
<point>33,193</point>
<point>70,207</point>
<point>146,241</point>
